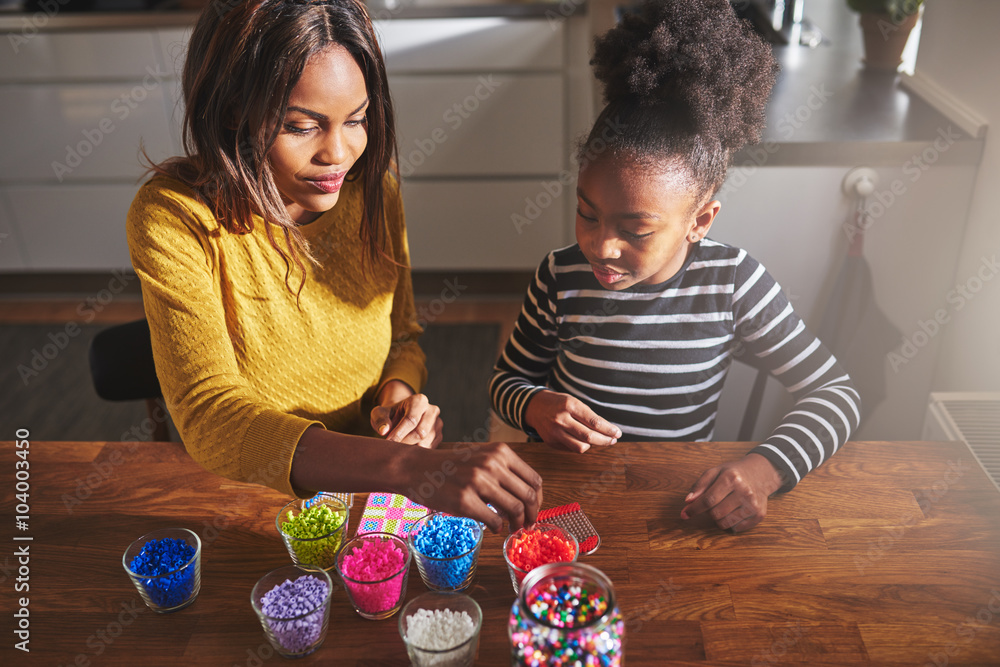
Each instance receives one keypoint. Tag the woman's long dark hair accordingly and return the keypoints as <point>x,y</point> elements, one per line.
<point>243,60</point>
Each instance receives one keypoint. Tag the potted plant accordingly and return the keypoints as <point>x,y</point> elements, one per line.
<point>886,25</point>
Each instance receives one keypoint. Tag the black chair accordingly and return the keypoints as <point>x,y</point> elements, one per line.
<point>122,369</point>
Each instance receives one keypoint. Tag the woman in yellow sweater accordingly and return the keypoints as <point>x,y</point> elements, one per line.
<point>275,271</point>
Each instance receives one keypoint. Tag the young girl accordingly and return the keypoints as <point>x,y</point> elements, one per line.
<point>275,271</point>
<point>629,333</point>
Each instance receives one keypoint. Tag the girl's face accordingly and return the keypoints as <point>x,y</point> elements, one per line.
<point>635,224</point>
<point>322,135</point>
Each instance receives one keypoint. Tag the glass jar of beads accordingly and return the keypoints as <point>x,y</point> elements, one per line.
<point>565,614</point>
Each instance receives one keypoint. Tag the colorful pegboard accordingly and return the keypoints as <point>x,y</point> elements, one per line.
<point>390,513</point>
<point>572,519</point>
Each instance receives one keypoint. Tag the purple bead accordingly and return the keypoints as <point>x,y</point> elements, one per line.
<point>297,612</point>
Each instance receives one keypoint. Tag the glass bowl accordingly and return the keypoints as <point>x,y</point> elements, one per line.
<point>451,572</point>
<point>374,594</point>
<point>298,633</point>
<point>320,548</point>
<point>419,626</point>
<point>159,566</point>
<point>517,574</point>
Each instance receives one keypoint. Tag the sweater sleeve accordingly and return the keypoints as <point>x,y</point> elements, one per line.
<point>224,425</point>
<point>406,361</point>
<point>827,405</point>
<point>523,368</point>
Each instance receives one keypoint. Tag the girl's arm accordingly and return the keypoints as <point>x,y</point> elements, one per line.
<point>827,405</point>
<point>518,389</point>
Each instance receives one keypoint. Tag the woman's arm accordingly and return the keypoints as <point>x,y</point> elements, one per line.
<point>459,481</point>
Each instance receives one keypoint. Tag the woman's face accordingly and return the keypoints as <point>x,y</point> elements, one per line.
<point>635,224</point>
<point>322,135</point>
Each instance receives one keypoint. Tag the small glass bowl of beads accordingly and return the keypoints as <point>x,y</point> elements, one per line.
<point>293,606</point>
<point>566,614</point>
<point>446,550</point>
<point>441,629</point>
<point>313,529</point>
<point>165,566</point>
<point>543,543</point>
<point>374,568</point>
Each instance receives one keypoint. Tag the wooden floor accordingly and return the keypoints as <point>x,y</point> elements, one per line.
<point>501,311</point>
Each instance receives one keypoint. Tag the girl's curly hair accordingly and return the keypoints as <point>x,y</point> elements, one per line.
<point>686,83</point>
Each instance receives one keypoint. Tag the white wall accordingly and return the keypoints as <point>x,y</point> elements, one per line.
<point>959,51</point>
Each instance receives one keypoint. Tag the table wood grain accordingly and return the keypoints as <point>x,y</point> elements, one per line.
<point>887,555</point>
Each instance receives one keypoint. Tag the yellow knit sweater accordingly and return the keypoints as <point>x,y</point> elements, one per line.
<point>245,369</point>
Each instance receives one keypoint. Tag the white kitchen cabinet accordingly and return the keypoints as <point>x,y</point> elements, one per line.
<point>11,246</point>
<point>466,226</point>
<point>487,109</point>
<point>71,132</point>
<point>482,105</point>
<point>73,227</point>
<point>98,55</point>
<point>479,124</point>
<point>77,105</point>
<point>792,220</point>
<point>489,44</point>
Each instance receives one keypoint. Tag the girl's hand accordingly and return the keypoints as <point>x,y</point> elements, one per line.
<point>463,480</point>
<point>734,494</point>
<point>567,423</point>
<point>404,416</point>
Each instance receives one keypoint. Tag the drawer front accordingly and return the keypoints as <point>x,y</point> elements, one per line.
<point>479,125</point>
<point>487,44</point>
<point>485,225</point>
<point>11,251</point>
<point>69,132</point>
<point>73,227</point>
<point>91,55</point>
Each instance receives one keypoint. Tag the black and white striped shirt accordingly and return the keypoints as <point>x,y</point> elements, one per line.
<point>652,359</point>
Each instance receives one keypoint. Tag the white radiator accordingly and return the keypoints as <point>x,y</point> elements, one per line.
<point>973,418</point>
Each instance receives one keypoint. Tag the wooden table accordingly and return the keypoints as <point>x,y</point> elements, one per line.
<point>888,555</point>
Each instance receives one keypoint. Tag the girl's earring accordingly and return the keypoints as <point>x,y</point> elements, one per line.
<point>694,238</point>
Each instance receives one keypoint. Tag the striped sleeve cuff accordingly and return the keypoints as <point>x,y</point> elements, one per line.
<point>268,449</point>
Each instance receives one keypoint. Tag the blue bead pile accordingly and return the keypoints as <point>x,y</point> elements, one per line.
<point>447,551</point>
<point>159,557</point>
<point>291,600</point>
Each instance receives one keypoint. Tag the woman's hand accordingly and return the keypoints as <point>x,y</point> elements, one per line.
<point>461,481</point>
<point>404,416</point>
<point>734,494</point>
<point>567,423</point>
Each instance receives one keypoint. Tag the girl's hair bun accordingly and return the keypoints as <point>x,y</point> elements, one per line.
<point>695,60</point>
